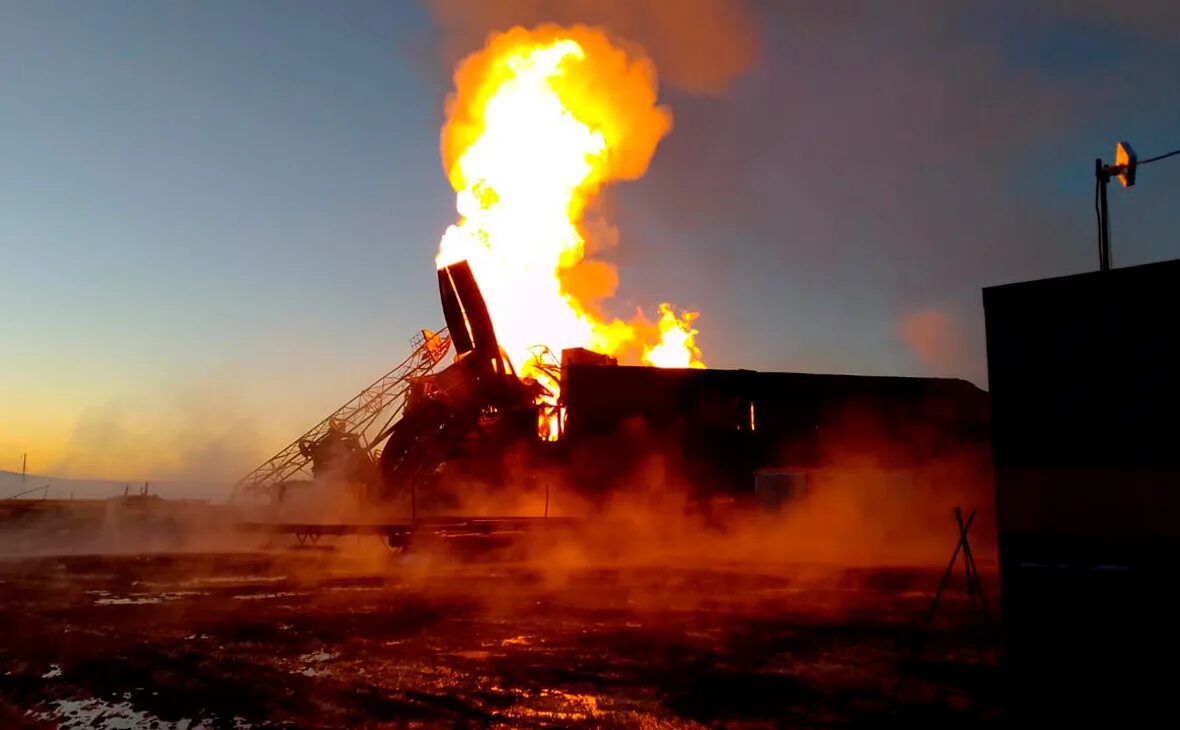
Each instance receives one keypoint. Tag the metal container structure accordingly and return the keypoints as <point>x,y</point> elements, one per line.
<point>715,429</point>
<point>1085,401</point>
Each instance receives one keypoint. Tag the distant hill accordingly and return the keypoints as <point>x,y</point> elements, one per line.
<point>63,488</point>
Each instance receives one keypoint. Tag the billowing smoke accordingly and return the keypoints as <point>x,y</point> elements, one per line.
<point>699,45</point>
<point>198,433</point>
<point>936,341</point>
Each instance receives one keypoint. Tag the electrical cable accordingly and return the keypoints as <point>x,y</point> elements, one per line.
<point>1157,158</point>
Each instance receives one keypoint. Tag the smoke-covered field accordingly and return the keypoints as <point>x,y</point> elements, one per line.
<point>647,609</point>
<point>361,636</point>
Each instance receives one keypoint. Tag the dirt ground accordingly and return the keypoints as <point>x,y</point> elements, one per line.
<point>317,639</point>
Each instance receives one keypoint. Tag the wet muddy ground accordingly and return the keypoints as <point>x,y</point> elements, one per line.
<point>315,640</point>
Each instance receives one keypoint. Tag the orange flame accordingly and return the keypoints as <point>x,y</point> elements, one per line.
<point>677,346</point>
<point>539,121</point>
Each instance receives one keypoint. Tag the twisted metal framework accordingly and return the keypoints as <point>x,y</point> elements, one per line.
<point>382,402</point>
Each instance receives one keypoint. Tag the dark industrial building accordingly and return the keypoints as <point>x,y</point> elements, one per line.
<point>1085,393</point>
<point>718,428</point>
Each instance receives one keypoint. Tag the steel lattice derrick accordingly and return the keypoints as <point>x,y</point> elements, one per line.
<point>381,403</point>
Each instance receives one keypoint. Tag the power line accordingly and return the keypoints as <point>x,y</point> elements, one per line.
<point>1164,156</point>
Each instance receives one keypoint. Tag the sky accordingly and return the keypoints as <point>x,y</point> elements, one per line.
<point>218,220</point>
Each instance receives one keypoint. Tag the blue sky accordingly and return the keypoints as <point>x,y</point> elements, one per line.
<point>225,213</point>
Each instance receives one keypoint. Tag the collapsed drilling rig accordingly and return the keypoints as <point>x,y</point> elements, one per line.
<point>465,416</point>
<point>397,434</point>
<point>427,428</point>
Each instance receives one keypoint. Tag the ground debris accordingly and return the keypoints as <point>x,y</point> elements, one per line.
<point>474,646</point>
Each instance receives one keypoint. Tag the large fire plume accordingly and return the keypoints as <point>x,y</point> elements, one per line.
<point>539,121</point>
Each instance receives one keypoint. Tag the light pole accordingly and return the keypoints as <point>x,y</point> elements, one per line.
<point>1126,164</point>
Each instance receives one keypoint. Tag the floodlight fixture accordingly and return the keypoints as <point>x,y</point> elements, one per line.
<point>1126,165</point>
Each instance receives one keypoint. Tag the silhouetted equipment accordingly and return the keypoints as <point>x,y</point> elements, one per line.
<point>980,613</point>
<point>466,313</point>
<point>1125,168</point>
<point>977,599</point>
<point>1086,445</point>
<point>338,454</point>
<point>403,534</point>
<point>467,415</point>
<point>43,489</point>
<point>582,356</point>
<point>775,489</point>
<point>350,434</point>
<point>715,429</point>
